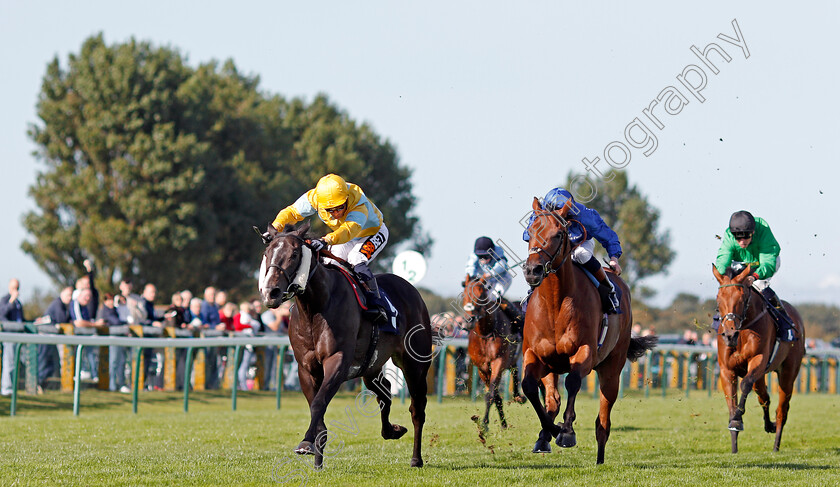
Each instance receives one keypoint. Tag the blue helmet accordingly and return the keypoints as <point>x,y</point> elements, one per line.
<point>556,198</point>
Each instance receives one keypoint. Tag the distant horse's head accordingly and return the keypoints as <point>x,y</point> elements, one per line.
<point>733,301</point>
<point>287,265</point>
<point>478,301</point>
<point>549,241</point>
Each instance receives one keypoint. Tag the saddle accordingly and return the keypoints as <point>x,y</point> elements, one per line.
<point>365,302</point>
<point>595,283</point>
<point>605,318</point>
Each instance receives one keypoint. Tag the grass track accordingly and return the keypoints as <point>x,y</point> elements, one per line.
<point>671,442</point>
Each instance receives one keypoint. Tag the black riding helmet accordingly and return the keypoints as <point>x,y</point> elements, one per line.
<point>483,246</point>
<point>742,223</point>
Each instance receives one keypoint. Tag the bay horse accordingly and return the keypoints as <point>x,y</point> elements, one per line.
<point>747,348</point>
<point>563,333</point>
<point>333,341</point>
<point>492,347</point>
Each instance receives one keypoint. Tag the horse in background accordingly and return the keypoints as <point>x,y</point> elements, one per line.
<point>748,348</point>
<point>333,341</point>
<point>564,333</point>
<point>492,347</point>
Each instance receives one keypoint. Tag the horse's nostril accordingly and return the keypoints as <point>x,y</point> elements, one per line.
<point>274,293</point>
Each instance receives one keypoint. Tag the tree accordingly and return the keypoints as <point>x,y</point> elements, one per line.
<point>646,250</point>
<point>157,170</point>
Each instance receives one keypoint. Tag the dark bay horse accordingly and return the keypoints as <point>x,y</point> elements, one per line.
<point>564,333</point>
<point>334,342</point>
<point>747,348</point>
<point>492,347</point>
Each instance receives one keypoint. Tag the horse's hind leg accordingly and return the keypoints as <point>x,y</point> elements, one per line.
<point>787,377</point>
<point>415,372</point>
<point>381,386</point>
<point>609,376</point>
<point>760,388</point>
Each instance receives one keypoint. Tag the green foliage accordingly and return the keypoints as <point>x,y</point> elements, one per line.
<point>626,210</point>
<point>821,320</point>
<point>157,170</point>
<point>438,304</point>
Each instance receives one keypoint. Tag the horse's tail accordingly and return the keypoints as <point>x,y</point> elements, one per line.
<point>640,345</point>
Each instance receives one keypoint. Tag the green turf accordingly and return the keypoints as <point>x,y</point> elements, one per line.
<point>672,441</point>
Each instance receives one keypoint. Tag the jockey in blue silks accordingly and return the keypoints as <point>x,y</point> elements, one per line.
<point>585,226</point>
<point>488,261</point>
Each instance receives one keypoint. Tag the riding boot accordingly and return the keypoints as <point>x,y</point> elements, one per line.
<point>377,307</point>
<point>516,317</point>
<point>783,321</point>
<point>607,292</point>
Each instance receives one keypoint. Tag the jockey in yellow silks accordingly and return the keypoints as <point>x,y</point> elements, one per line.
<point>358,231</point>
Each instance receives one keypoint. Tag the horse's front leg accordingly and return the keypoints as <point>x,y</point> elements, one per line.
<point>533,373</point>
<point>729,385</point>
<point>755,371</point>
<point>496,369</point>
<point>580,366</point>
<point>335,373</point>
<point>311,376</point>
<point>514,372</point>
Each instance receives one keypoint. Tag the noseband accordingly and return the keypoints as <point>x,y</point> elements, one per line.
<point>739,324</point>
<point>547,267</point>
<point>293,289</point>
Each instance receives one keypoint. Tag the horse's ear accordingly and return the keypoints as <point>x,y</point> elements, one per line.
<point>536,205</point>
<point>743,275</point>
<point>267,236</point>
<point>717,274</point>
<point>301,230</point>
<point>566,208</point>
<point>288,228</point>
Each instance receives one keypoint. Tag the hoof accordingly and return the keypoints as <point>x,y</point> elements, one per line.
<point>519,399</point>
<point>736,425</point>
<point>504,425</point>
<point>566,440</point>
<point>542,446</point>
<point>770,427</point>
<point>305,448</point>
<point>396,432</point>
<point>417,462</point>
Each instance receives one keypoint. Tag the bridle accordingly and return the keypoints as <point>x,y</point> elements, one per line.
<point>739,324</point>
<point>293,289</point>
<point>547,267</point>
<point>482,307</point>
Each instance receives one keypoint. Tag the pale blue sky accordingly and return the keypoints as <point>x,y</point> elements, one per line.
<point>492,104</point>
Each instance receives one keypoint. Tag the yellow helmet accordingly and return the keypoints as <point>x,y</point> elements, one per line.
<point>331,191</point>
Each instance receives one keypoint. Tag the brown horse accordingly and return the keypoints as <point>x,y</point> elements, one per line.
<point>492,347</point>
<point>334,342</point>
<point>564,333</point>
<point>747,348</point>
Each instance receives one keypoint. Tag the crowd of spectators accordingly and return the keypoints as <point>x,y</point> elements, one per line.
<point>80,306</point>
